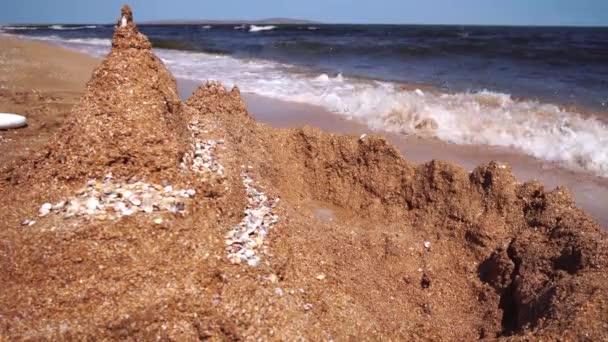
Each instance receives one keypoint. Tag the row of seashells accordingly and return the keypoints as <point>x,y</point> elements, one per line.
<point>110,200</point>
<point>201,158</point>
<point>246,238</point>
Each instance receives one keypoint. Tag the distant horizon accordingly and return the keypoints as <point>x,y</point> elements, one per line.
<point>542,13</point>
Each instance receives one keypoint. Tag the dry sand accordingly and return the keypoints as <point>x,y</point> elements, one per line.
<point>368,246</point>
<point>43,83</point>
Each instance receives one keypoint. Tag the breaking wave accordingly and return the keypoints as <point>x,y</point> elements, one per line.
<point>87,44</point>
<point>62,27</point>
<point>255,28</point>
<point>17,28</point>
<point>542,130</point>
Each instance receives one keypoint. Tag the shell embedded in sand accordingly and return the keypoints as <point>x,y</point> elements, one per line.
<point>45,209</point>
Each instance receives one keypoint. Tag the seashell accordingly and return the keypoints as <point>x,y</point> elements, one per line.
<point>59,205</point>
<point>127,212</point>
<point>254,262</point>
<point>92,203</point>
<point>45,209</point>
<point>135,201</point>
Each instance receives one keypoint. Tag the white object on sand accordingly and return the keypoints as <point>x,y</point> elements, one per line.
<point>419,92</point>
<point>11,121</point>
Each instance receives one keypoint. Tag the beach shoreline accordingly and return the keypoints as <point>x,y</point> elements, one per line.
<point>590,191</point>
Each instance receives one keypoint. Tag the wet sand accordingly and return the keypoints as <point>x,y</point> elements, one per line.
<point>591,192</point>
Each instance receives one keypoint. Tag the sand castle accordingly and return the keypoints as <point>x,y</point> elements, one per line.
<point>412,252</point>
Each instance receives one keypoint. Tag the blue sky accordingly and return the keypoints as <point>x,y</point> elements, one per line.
<point>499,12</point>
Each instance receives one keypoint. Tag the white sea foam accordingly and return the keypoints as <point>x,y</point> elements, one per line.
<point>542,130</point>
<point>17,28</point>
<point>86,45</point>
<point>255,28</point>
<point>61,27</point>
<point>206,27</point>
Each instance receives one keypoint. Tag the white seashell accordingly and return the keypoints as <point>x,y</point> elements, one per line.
<point>127,212</point>
<point>135,201</point>
<point>45,209</point>
<point>254,262</point>
<point>59,205</point>
<point>92,203</point>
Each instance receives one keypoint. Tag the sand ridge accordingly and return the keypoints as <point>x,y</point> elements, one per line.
<point>412,252</point>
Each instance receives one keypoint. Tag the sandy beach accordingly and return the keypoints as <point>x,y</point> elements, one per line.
<point>137,206</point>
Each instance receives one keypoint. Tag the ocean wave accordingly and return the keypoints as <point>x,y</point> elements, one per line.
<point>62,27</point>
<point>255,28</point>
<point>84,41</point>
<point>206,27</point>
<point>17,28</point>
<point>542,130</point>
<point>91,41</point>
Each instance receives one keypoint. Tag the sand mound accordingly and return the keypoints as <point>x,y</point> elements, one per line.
<point>361,245</point>
<point>127,121</point>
